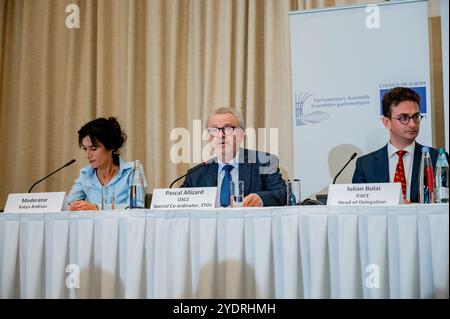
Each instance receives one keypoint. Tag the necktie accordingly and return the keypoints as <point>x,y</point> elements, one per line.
<point>400,172</point>
<point>225,189</point>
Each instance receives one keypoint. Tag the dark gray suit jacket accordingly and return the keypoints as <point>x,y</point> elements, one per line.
<point>374,168</point>
<point>258,170</point>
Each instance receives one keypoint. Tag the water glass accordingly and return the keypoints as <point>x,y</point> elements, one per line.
<point>237,193</point>
<point>108,199</point>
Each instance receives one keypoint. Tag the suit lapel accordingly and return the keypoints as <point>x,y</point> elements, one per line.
<point>245,172</point>
<point>210,175</point>
<point>381,165</point>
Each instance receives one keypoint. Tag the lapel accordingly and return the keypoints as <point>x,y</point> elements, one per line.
<point>210,175</point>
<point>415,173</point>
<point>381,165</point>
<point>245,172</point>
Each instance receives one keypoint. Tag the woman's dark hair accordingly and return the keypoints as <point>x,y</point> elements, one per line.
<point>397,95</point>
<point>106,131</point>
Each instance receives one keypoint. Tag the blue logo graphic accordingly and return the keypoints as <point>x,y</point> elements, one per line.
<point>421,90</point>
<point>302,118</point>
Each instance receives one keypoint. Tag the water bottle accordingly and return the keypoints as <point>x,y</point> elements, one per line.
<point>441,178</point>
<point>138,184</point>
<point>426,178</point>
<point>293,192</point>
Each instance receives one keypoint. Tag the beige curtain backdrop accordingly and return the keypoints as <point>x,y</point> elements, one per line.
<point>157,65</point>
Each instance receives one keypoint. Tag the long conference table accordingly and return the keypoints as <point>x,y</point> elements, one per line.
<point>276,252</point>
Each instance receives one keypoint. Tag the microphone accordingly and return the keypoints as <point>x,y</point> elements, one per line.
<point>67,164</point>
<point>348,162</point>
<point>193,169</point>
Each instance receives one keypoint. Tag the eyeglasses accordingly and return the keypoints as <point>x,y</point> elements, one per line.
<point>227,130</point>
<point>404,118</point>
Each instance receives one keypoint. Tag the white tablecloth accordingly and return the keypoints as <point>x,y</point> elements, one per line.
<point>297,252</point>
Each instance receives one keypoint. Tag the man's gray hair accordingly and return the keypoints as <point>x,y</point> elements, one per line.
<point>229,110</point>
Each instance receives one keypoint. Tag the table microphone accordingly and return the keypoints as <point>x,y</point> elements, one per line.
<point>67,164</point>
<point>193,169</point>
<point>348,162</point>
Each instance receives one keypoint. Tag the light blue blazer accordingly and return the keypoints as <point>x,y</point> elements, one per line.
<point>88,187</point>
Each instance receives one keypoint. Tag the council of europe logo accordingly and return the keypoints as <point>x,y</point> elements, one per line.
<point>420,90</point>
<point>302,118</point>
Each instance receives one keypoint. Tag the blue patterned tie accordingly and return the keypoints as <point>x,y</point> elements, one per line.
<point>225,189</point>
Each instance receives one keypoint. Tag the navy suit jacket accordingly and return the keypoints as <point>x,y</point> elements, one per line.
<point>374,168</point>
<point>258,170</point>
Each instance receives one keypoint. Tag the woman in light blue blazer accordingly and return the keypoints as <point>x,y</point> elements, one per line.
<point>101,140</point>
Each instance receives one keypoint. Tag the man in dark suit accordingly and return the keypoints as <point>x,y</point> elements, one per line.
<point>399,160</point>
<point>263,184</point>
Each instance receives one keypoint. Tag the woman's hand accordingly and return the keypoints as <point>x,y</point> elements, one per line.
<point>82,205</point>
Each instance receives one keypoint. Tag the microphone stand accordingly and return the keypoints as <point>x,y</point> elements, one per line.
<point>348,162</point>
<point>310,201</point>
<point>67,164</point>
<point>190,171</point>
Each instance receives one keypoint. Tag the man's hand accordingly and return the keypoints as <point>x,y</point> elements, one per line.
<point>82,205</point>
<point>252,200</point>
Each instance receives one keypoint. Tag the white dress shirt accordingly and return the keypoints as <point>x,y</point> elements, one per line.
<point>221,174</point>
<point>408,160</point>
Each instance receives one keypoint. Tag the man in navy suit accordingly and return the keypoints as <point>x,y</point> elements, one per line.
<point>401,116</point>
<point>263,184</point>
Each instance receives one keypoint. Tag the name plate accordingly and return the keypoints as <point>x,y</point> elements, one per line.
<point>377,194</point>
<point>51,202</point>
<point>182,198</point>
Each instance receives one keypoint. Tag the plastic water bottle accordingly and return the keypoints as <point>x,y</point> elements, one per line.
<point>426,178</point>
<point>441,179</point>
<point>138,184</point>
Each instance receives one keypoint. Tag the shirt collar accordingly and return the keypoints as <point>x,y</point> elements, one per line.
<point>123,166</point>
<point>392,150</point>
<point>233,163</point>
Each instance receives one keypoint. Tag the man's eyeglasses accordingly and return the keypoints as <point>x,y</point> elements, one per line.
<point>227,130</point>
<point>404,118</point>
